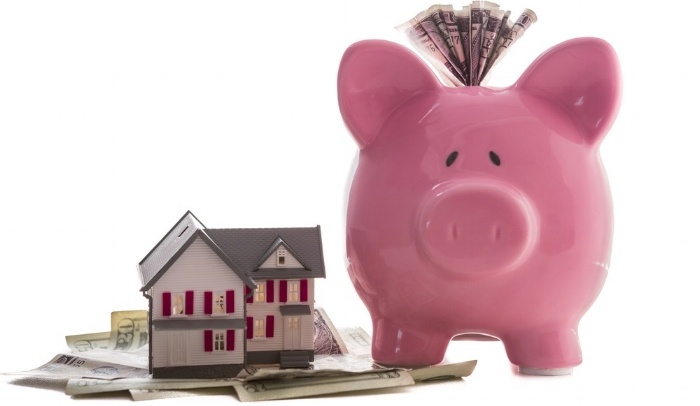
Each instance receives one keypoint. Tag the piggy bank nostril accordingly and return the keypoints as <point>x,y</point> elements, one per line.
<point>497,232</point>
<point>455,232</point>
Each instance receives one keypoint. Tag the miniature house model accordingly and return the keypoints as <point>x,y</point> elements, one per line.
<point>219,299</point>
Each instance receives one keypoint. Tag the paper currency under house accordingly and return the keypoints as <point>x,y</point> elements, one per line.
<point>219,299</point>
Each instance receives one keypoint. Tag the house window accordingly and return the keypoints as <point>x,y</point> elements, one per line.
<point>264,292</point>
<point>219,303</point>
<point>219,342</point>
<point>178,303</point>
<point>259,295</point>
<point>281,257</point>
<point>259,328</point>
<point>293,323</point>
<point>293,291</point>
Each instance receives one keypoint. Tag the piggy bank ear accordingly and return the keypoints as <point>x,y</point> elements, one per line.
<point>374,78</point>
<point>582,76</point>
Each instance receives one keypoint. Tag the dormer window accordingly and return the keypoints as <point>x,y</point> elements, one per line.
<point>281,257</point>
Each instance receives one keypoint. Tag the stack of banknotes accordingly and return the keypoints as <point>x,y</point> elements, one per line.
<point>117,361</point>
<point>464,44</point>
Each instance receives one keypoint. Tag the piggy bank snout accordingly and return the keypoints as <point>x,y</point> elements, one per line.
<point>477,227</point>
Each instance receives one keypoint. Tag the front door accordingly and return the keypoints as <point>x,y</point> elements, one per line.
<point>178,348</point>
<point>292,332</point>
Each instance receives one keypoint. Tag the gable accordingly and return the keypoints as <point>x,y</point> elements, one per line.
<point>280,257</point>
<point>198,268</point>
<point>168,247</point>
<point>199,236</point>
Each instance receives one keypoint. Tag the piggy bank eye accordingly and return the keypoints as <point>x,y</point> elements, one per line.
<point>451,158</point>
<point>494,158</point>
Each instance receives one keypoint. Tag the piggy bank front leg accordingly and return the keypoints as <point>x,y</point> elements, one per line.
<point>544,351</point>
<point>406,346</point>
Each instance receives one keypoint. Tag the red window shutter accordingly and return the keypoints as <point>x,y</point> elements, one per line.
<point>270,326</point>
<point>249,327</point>
<point>230,340</point>
<point>189,302</point>
<point>167,305</point>
<point>230,303</point>
<point>270,291</point>
<point>283,291</point>
<point>208,305</point>
<point>248,299</point>
<point>208,341</point>
<point>304,287</point>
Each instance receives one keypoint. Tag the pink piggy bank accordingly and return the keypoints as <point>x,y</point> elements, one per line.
<point>479,210</point>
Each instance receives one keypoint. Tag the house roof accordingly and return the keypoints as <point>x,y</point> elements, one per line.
<point>243,249</point>
<point>248,247</point>
<point>173,241</point>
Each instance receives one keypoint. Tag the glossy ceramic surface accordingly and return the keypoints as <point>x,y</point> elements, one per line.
<point>479,210</point>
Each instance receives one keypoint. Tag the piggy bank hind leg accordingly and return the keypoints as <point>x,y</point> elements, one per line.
<point>546,351</point>
<point>406,346</point>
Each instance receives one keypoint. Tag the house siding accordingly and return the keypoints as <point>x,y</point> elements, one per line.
<point>263,309</point>
<point>198,269</point>
<point>196,355</point>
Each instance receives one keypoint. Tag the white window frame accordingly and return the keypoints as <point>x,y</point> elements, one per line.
<point>218,303</point>
<point>259,296</point>
<point>293,292</point>
<point>177,304</point>
<point>219,337</point>
<point>259,330</point>
<point>281,257</point>
<point>293,322</point>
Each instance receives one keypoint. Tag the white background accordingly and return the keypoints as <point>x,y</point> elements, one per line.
<point>118,116</point>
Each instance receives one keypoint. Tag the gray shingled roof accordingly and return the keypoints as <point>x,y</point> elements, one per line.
<point>248,246</point>
<point>242,248</point>
<point>168,247</point>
